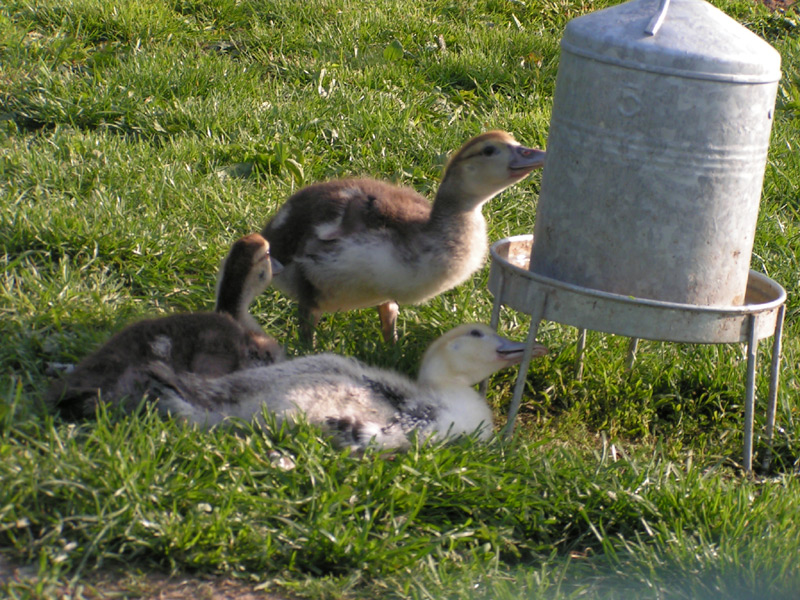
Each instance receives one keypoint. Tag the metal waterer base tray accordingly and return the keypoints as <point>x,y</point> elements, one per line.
<point>513,285</point>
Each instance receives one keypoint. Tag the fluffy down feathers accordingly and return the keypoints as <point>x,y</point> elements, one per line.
<point>355,243</point>
<point>209,343</point>
<point>358,403</point>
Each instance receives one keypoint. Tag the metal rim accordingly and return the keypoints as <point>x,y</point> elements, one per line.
<point>729,310</point>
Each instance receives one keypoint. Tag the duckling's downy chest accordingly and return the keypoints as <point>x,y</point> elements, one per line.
<point>370,269</point>
<point>463,412</point>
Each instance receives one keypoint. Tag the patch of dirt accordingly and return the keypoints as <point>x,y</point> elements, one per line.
<point>777,4</point>
<point>118,584</point>
<point>161,587</point>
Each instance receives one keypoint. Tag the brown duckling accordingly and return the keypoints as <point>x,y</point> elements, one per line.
<point>354,243</point>
<point>209,344</point>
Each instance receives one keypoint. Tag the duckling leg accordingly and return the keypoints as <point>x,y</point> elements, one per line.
<point>309,319</point>
<point>388,314</point>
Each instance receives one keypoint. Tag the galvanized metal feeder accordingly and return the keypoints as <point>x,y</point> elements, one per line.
<point>647,214</point>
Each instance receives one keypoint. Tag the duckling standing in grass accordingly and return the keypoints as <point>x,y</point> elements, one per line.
<point>358,403</point>
<point>354,243</point>
<point>209,344</point>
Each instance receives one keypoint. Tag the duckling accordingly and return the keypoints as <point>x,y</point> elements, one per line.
<point>357,403</point>
<point>207,343</point>
<point>354,243</point>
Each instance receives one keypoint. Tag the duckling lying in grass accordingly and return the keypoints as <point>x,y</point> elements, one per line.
<point>358,403</point>
<point>208,343</point>
<point>355,243</point>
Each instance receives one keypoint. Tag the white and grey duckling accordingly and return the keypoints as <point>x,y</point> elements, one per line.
<point>207,343</point>
<point>355,243</point>
<point>357,403</point>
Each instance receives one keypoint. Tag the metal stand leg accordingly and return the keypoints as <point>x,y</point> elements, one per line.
<point>494,322</point>
<point>633,346</point>
<point>579,353</point>
<point>519,386</point>
<point>749,401</point>
<point>774,376</point>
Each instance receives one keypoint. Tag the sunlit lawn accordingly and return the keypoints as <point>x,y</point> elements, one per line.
<point>138,139</point>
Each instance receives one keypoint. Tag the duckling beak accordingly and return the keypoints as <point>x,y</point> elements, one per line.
<point>275,265</point>
<point>524,160</point>
<point>511,352</point>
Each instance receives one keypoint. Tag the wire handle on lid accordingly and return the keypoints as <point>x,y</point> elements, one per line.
<point>658,19</point>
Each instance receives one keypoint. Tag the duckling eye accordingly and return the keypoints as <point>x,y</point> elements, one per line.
<point>489,150</point>
<point>477,333</point>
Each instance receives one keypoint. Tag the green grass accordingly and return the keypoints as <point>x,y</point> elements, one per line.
<point>138,139</point>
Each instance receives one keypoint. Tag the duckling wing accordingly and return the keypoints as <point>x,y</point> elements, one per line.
<point>411,411</point>
<point>378,205</point>
<point>355,401</point>
<point>319,385</point>
<point>297,219</point>
<point>344,244</point>
<point>357,434</point>
<point>335,209</point>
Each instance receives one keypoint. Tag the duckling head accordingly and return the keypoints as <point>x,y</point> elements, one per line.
<point>486,165</point>
<point>245,273</point>
<point>468,354</point>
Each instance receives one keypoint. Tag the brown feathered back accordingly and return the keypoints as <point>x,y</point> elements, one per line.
<point>207,343</point>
